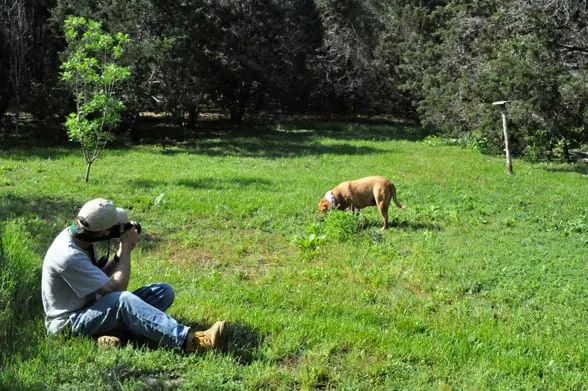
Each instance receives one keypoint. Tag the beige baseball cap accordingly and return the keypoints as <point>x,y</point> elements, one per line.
<point>100,214</point>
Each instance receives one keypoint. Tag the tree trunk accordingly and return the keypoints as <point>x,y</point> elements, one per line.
<point>4,103</point>
<point>192,116</point>
<point>88,165</point>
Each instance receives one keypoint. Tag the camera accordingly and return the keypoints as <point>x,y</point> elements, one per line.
<point>114,232</point>
<point>130,225</point>
<point>119,229</point>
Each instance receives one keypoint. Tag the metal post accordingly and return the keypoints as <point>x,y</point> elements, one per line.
<point>502,105</point>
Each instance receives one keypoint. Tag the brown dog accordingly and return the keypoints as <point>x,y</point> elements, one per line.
<point>355,195</point>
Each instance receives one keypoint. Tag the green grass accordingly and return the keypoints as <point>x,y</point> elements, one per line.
<point>480,284</point>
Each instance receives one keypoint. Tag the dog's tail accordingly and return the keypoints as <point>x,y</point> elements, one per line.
<point>393,193</point>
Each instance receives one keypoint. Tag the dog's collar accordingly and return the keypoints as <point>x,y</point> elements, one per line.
<point>331,198</point>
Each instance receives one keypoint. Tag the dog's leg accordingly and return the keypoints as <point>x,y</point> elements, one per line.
<point>382,200</point>
<point>383,208</point>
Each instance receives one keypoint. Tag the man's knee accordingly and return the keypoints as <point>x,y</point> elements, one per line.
<point>127,297</point>
<point>160,295</point>
<point>166,296</point>
<point>167,291</point>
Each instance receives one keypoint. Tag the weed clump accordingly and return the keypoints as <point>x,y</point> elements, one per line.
<point>341,226</point>
<point>337,226</point>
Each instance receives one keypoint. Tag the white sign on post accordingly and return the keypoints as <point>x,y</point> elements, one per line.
<point>502,104</point>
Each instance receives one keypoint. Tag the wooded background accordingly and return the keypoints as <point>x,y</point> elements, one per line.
<point>438,63</point>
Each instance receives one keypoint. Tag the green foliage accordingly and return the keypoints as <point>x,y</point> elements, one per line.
<point>19,283</point>
<point>309,242</point>
<point>92,72</point>
<point>456,58</point>
<point>578,224</point>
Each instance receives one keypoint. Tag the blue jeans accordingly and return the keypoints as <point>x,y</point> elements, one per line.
<point>140,313</point>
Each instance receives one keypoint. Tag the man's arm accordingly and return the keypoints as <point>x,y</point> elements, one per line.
<point>120,272</point>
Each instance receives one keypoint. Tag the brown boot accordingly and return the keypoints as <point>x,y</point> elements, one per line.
<point>213,338</point>
<point>108,341</point>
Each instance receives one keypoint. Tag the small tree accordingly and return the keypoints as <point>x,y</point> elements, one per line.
<point>92,73</point>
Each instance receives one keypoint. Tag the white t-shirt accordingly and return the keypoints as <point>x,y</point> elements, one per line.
<point>69,281</point>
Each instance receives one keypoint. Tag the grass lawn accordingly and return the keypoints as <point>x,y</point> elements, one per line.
<point>481,283</point>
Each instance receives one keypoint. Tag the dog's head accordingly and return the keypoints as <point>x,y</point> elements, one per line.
<point>324,205</point>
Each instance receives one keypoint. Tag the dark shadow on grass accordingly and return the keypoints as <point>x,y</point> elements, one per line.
<point>160,130</point>
<point>220,183</point>
<point>13,206</point>
<point>207,183</point>
<point>367,221</point>
<point>579,168</point>
<point>270,139</point>
<point>416,226</point>
<point>399,225</point>
<point>242,340</point>
<point>242,343</point>
<point>24,153</point>
<point>362,129</point>
<point>267,146</point>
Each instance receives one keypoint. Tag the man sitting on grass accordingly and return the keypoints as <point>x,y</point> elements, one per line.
<point>86,297</point>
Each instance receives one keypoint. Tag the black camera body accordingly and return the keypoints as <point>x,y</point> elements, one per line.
<point>131,225</point>
<point>118,230</point>
<point>114,232</point>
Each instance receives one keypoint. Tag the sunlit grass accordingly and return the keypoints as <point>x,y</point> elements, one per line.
<point>479,284</point>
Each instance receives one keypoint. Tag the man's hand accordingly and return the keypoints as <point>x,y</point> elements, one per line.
<point>129,238</point>
<point>120,271</point>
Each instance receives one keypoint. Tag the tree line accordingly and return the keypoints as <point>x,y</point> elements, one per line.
<point>440,63</point>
